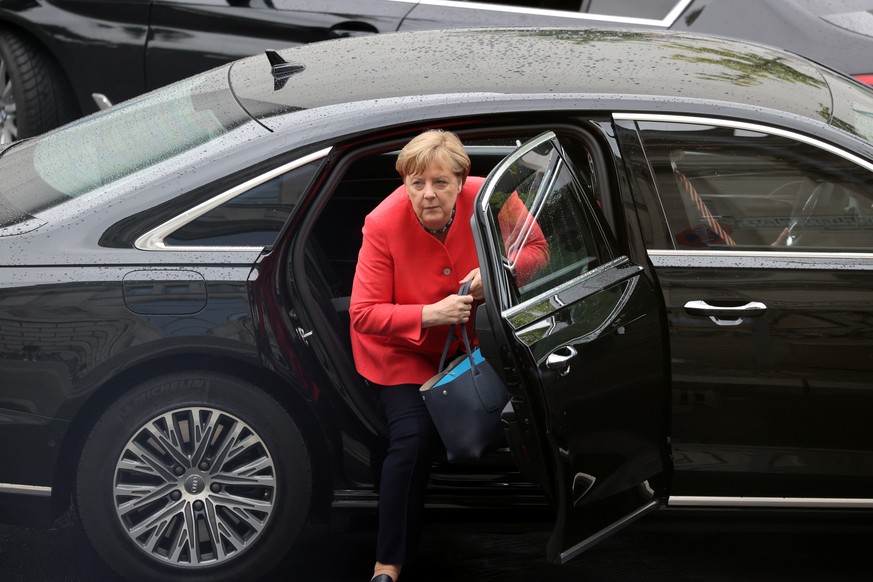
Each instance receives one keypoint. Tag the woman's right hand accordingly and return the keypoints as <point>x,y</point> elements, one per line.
<point>453,309</point>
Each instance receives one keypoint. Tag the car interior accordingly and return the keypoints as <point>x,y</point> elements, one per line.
<point>330,256</point>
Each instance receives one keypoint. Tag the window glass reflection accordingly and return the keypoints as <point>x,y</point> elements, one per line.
<point>727,188</point>
<point>545,228</point>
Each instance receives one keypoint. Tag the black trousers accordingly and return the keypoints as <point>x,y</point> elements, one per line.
<point>411,439</point>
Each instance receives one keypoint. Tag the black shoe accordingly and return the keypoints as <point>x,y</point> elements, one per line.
<point>382,578</point>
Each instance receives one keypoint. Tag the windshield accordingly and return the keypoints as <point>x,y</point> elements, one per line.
<point>107,147</point>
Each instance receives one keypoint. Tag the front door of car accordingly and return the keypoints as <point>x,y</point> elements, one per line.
<point>576,330</point>
<point>770,321</point>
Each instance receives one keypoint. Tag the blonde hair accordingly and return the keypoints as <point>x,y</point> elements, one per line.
<point>433,146</point>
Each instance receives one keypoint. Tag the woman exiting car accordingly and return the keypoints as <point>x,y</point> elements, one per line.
<point>417,250</point>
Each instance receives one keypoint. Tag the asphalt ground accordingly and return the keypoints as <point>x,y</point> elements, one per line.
<point>654,549</point>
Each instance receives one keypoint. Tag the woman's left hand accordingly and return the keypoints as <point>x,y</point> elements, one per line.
<point>476,286</point>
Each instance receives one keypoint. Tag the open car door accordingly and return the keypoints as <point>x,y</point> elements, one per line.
<point>576,330</point>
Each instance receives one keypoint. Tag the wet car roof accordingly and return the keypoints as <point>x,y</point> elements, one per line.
<point>534,61</point>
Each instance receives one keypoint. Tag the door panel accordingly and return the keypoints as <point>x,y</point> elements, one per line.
<point>584,336</point>
<point>775,405</point>
<point>191,36</point>
<point>78,34</point>
<point>772,402</point>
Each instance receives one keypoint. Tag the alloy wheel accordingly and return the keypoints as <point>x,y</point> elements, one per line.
<point>194,487</point>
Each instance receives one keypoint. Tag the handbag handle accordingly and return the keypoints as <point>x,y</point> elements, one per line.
<point>464,290</point>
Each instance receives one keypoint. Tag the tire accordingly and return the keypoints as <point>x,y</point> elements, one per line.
<point>159,460</point>
<point>34,95</point>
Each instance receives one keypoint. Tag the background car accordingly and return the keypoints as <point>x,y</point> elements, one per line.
<point>175,273</point>
<point>61,59</point>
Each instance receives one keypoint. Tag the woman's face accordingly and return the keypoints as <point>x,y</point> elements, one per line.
<point>433,193</point>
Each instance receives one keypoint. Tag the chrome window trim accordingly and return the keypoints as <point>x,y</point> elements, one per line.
<point>38,490</point>
<point>508,161</point>
<point>153,240</point>
<point>748,127</point>
<point>759,254</point>
<point>555,291</point>
<point>770,502</point>
<point>666,22</point>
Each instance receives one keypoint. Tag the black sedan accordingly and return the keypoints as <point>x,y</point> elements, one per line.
<point>62,58</point>
<point>175,273</point>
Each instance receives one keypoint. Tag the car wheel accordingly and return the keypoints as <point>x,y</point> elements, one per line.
<point>195,476</point>
<point>34,96</point>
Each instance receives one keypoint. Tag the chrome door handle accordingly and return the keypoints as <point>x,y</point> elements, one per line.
<point>726,315</point>
<point>560,359</point>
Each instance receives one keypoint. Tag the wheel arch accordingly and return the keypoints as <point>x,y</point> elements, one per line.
<point>292,400</point>
<point>29,32</point>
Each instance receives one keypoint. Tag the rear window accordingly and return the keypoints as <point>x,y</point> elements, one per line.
<point>107,148</point>
<point>651,9</point>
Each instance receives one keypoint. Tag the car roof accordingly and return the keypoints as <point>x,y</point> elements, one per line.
<point>664,66</point>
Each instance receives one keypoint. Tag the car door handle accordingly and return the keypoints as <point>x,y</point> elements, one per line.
<point>726,315</point>
<point>559,360</point>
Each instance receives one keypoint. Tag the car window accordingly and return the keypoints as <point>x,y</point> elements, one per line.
<point>735,188</point>
<point>651,9</point>
<point>250,219</point>
<point>542,221</point>
<point>119,146</point>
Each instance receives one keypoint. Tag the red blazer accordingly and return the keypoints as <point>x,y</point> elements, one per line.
<point>401,268</point>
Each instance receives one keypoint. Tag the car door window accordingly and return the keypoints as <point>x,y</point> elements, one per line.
<point>250,219</point>
<point>735,188</point>
<point>542,215</point>
<point>654,10</point>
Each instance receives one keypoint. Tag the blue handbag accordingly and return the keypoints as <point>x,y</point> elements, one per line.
<point>465,400</point>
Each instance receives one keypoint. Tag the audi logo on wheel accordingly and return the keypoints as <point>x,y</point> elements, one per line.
<point>194,484</point>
